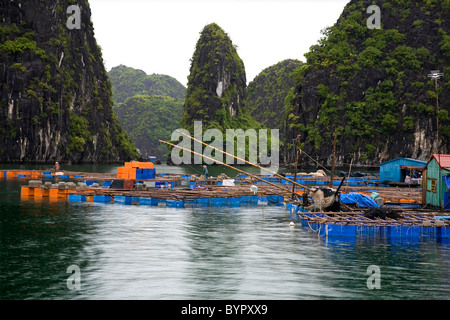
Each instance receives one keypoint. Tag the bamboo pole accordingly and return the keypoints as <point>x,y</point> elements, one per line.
<point>250,163</point>
<point>311,158</point>
<point>296,165</point>
<point>349,170</point>
<point>226,165</point>
<point>334,160</point>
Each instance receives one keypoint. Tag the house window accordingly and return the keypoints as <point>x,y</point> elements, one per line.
<point>432,185</point>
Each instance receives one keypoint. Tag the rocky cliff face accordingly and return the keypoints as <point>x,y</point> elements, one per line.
<point>216,92</point>
<point>371,86</point>
<point>267,92</point>
<point>55,97</point>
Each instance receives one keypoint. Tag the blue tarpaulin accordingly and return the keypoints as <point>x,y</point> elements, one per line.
<point>360,199</point>
<point>447,181</point>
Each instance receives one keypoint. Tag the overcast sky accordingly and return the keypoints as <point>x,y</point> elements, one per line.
<point>159,36</point>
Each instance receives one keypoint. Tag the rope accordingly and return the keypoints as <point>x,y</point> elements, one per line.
<point>301,151</point>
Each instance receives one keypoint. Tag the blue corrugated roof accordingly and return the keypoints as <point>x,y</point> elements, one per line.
<point>424,163</point>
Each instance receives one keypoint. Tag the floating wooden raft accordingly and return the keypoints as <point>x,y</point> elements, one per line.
<point>358,219</point>
<point>203,196</point>
<point>415,223</point>
<point>184,194</point>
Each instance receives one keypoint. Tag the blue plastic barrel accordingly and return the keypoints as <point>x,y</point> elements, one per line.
<point>148,201</point>
<point>122,199</point>
<point>99,198</point>
<point>76,198</point>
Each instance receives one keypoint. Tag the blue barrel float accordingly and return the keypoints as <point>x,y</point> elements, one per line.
<point>76,198</point>
<point>99,198</point>
<point>122,199</point>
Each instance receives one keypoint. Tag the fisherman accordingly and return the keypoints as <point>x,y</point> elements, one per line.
<point>56,166</point>
<point>408,179</point>
<point>205,171</point>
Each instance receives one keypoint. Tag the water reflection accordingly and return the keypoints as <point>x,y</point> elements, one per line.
<point>38,243</point>
<point>144,252</point>
<point>214,251</point>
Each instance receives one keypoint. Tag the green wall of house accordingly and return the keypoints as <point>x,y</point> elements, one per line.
<point>434,173</point>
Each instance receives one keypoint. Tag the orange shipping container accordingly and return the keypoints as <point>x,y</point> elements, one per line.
<point>132,173</point>
<point>123,172</point>
<point>146,165</point>
<point>133,164</point>
<point>141,165</point>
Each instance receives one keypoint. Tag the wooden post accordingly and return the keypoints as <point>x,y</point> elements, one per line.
<point>424,187</point>
<point>334,159</point>
<point>349,170</point>
<point>296,165</point>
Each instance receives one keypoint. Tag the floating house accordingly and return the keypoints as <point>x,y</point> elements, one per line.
<point>396,170</point>
<point>437,178</point>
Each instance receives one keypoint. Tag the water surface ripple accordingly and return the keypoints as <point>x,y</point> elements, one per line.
<point>143,252</point>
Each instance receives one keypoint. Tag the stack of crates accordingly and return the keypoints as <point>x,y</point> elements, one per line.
<point>137,170</point>
<point>145,173</point>
<point>126,173</point>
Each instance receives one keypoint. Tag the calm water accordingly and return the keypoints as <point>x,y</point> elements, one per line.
<point>140,252</point>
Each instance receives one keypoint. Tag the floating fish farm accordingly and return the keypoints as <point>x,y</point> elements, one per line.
<point>138,184</point>
<point>404,223</point>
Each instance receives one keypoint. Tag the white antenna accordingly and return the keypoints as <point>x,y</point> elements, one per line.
<point>435,75</point>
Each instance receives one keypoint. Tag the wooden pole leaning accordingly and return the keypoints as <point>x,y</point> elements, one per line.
<point>247,162</point>
<point>226,165</point>
<point>296,165</point>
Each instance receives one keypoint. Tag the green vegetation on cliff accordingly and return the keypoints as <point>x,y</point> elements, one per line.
<point>371,85</point>
<point>127,82</point>
<point>216,92</point>
<point>267,92</point>
<point>147,119</point>
<point>55,97</point>
<point>149,107</point>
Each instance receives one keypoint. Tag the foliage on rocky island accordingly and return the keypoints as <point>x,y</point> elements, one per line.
<point>371,86</point>
<point>55,97</point>
<point>216,92</point>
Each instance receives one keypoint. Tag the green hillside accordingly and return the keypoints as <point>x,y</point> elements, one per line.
<point>127,82</point>
<point>147,119</point>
